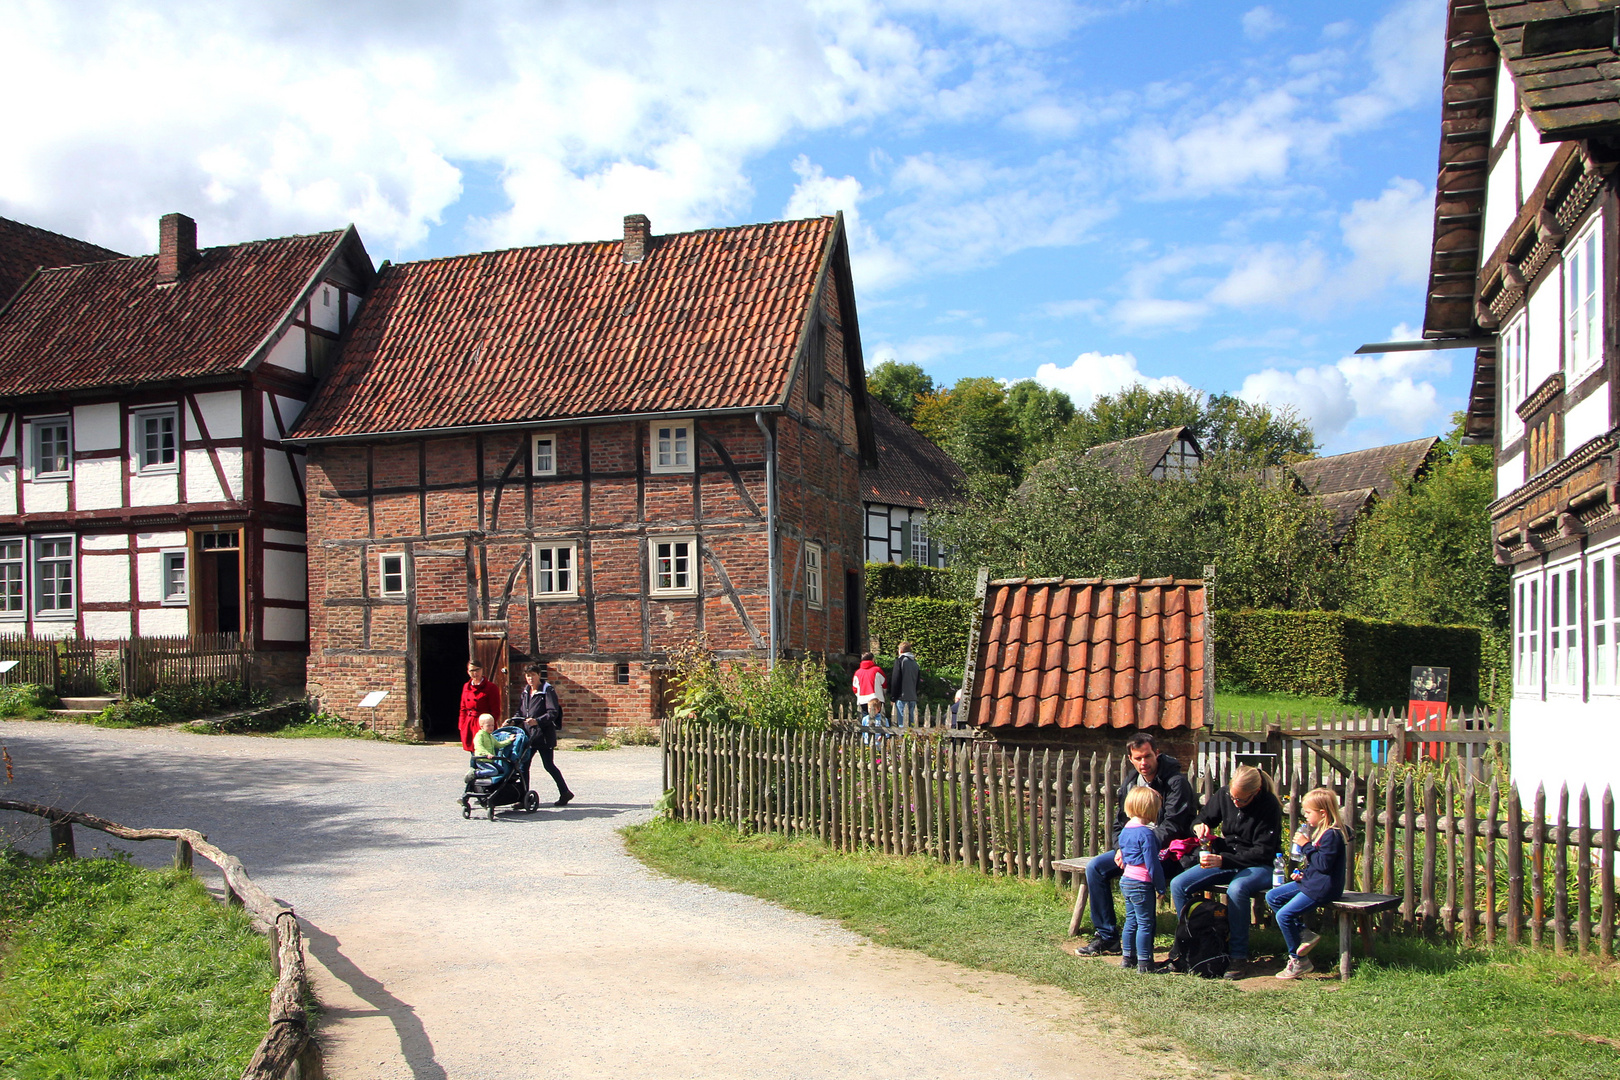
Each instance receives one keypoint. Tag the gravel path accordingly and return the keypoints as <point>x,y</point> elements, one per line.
<point>533,946</point>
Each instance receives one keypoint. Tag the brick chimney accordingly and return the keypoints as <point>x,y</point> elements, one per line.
<point>177,247</point>
<point>637,234</point>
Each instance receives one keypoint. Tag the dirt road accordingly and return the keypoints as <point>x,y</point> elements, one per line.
<point>533,946</point>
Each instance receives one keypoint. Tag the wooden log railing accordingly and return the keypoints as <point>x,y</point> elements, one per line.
<point>288,1050</point>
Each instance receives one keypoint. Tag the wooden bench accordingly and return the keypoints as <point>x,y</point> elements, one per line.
<point>1077,867</point>
<point>1362,906</point>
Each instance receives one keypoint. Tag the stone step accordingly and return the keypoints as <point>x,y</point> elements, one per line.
<point>85,704</point>
<point>75,712</point>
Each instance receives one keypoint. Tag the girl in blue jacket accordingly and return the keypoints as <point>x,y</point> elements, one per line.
<point>1144,878</point>
<point>1318,881</point>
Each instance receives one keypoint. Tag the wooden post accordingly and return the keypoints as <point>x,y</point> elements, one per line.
<point>1450,913</point>
<point>1561,873</point>
<point>1491,832</point>
<point>1583,878</point>
<point>1096,837</point>
<point>1409,884</point>
<point>1430,850</point>
<point>1606,872</point>
<point>1538,867</point>
<point>62,840</point>
<point>1470,865</point>
<point>1515,857</point>
<point>182,854</point>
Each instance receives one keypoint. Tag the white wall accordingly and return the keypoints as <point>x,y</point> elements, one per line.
<point>106,625</point>
<point>1507,99</point>
<point>163,489</point>
<point>1509,474</point>
<point>104,579</point>
<point>289,351</point>
<point>1565,741</point>
<point>324,306</point>
<point>286,576</point>
<point>1501,200</point>
<point>98,484</point>
<point>164,622</point>
<point>1587,420</point>
<point>221,412</point>
<point>278,476</point>
<point>202,483</point>
<point>96,427</point>
<point>45,498</point>
<point>1545,329</point>
<point>284,624</point>
<point>1534,155</point>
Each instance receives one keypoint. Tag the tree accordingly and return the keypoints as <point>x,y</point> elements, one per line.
<point>1223,423</point>
<point>1254,432</point>
<point>1040,414</point>
<point>899,386</point>
<point>1133,411</point>
<point>973,423</point>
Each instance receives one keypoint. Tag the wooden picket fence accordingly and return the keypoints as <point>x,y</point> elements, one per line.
<point>68,665</point>
<point>1460,851</point>
<point>1327,750</point>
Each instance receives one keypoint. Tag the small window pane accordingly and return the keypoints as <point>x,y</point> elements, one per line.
<point>174,575</point>
<point>393,575</point>
<point>53,584</point>
<point>545,457</point>
<point>51,448</point>
<point>157,446</point>
<point>11,575</point>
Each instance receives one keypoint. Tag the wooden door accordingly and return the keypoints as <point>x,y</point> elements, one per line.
<point>489,648</point>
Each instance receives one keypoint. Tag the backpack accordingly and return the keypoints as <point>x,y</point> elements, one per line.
<point>1201,945</point>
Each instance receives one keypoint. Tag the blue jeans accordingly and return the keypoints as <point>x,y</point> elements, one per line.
<point>1290,904</point>
<point>1140,919</point>
<point>905,712</point>
<point>1100,874</point>
<point>1242,886</point>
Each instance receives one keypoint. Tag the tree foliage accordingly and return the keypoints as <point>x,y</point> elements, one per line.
<point>973,423</point>
<point>899,386</point>
<point>1222,423</point>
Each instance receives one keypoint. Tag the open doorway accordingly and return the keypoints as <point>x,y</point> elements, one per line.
<point>443,665</point>
<point>218,582</point>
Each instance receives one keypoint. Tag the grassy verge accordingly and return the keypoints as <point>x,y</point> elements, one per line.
<point>1420,1010</point>
<point>110,970</point>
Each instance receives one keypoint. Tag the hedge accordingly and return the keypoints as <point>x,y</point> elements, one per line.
<point>886,581</point>
<point>937,629</point>
<point>1329,654</point>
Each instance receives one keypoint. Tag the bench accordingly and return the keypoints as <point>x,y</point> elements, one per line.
<point>1077,867</point>
<point>1361,906</point>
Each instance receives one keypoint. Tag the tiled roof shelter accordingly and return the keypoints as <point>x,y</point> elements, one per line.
<point>26,248</point>
<point>910,470</point>
<point>1089,653</point>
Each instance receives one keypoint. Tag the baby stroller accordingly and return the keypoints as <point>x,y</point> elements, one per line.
<point>503,779</point>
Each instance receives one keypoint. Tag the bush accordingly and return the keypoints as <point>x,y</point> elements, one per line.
<point>937,629</point>
<point>26,699</point>
<point>889,580</point>
<point>172,704</point>
<point>794,694</point>
<point>1329,654</point>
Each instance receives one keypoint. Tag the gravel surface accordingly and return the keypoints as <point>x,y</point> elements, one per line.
<point>533,946</point>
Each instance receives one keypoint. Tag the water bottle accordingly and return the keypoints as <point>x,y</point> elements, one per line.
<point>1279,870</point>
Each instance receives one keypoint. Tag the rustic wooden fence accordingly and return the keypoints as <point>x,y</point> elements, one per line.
<point>287,1051</point>
<point>69,665</point>
<point>1462,852</point>
<point>1327,750</point>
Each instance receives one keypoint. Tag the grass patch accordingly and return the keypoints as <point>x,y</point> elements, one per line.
<point>27,701</point>
<point>111,970</point>
<point>636,736</point>
<point>1418,1010</point>
<point>1284,704</point>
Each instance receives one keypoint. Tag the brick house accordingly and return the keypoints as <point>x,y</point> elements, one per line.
<point>144,486</point>
<point>588,454</point>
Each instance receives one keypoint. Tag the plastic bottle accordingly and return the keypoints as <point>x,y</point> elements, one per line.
<point>1279,870</point>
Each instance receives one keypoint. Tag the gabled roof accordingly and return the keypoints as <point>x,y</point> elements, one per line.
<point>25,248</point>
<point>1344,507</point>
<point>910,470</point>
<point>1379,468</point>
<point>109,324</point>
<point>709,320</point>
<point>1068,653</point>
<point>1141,452</point>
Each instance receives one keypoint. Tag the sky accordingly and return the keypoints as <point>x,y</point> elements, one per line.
<point>1229,196</point>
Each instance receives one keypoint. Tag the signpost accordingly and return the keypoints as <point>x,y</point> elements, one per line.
<point>1426,705</point>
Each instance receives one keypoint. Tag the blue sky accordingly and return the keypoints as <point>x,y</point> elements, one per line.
<point>1230,195</point>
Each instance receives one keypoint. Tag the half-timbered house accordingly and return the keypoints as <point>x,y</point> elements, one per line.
<point>587,455</point>
<point>144,485</point>
<point>1525,256</point>
<point>25,249</point>
<point>912,476</point>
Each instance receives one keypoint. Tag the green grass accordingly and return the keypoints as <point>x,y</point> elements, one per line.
<point>111,971</point>
<point>1419,1010</point>
<point>1286,704</point>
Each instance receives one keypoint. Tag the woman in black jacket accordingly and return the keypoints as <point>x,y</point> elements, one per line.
<point>540,712</point>
<point>1249,818</point>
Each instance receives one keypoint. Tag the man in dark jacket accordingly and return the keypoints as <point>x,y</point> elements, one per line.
<point>1163,774</point>
<point>1250,820</point>
<point>541,713</point>
<point>904,681</point>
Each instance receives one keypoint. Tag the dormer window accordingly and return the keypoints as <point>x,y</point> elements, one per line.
<point>671,448</point>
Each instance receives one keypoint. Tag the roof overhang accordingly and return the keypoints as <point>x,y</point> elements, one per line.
<point>520,425</point>
<point>1426,346</point>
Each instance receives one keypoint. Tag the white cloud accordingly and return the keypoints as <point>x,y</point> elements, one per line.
<point>1389,238</point>
<point>1269,275</point>
<point>1093,374</point>
<point>1261,22</point>
<point>1361,400</point>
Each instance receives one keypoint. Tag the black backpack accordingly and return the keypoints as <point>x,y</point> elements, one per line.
<point>1201,944</point>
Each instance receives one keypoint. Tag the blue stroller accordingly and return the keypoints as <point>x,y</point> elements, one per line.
<point>502,780</point>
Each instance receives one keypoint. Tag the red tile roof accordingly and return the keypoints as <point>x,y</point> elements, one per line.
<point>911,470</point>
<point>108,324</point>
<point>24,248</point>
<point>1068,653</point>
<point>709,320</point>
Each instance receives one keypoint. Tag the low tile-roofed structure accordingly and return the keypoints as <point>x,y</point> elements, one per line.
<point>910,470</point>
<point>1345,507</point>
<point>26,248</point>
<point>707,320</point>
<point>1139,453</point>
<point>1562,55</point>
<point>110,324</point>
<point>1071,653</point>
<point>1381,468</point>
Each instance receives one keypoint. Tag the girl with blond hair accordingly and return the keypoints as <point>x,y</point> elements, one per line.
<point>1143,879</point>
<point>1318,881</point>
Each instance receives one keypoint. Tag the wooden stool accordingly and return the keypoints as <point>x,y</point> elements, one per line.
<point>1077,867</point>
<point>1363,906</point>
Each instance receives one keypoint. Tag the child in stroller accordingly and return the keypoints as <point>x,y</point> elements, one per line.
<point>500,772</point>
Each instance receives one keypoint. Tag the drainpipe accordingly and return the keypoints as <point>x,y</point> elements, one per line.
<point>770,530</point>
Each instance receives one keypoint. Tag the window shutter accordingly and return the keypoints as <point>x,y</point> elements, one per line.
<point>905,541</point>
<point>815,362</point>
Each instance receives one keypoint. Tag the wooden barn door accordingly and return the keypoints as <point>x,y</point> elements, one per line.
<point>489,648</point>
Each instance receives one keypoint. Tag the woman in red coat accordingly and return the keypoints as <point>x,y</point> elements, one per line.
<point>478,696</point>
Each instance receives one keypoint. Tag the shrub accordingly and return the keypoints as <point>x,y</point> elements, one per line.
<point>26,699</point>
<point>888,580</point>
<point>172,704</point>
<point>794,694</point>
<point>937,629</point>
<point>1329,654</point>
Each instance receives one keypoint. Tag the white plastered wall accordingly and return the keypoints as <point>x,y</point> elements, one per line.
<point>279,469</point>
<point>96,427</point>
<point>164,622</point>
<point>1534,155</point>
<point>284,624</point>
<point>221,413</point>
<point>162,489</point>
<point>1564,740</point>
<point>104,578</point>
<point>98,484</point>
<point>286,577</point>
<point>289,351</point>
<point>323,307</point>
<point>107,625</point>
<point>1587,420</point>
<point>1545,331</point>
<point>1501,197</point>
<point>1509,474</point>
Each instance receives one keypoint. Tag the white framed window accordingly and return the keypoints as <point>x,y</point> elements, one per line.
<point>1583,300</point>
<point>53,576</point>
<point>390,574</point>
<point>1606,622</point>
<point>1527,627</point>
<point>671,448</point>
<point>176,588</point>
<point>1515,367</point>
<point>556,572</point>
<point>13,604</point>
<point>1563,627</point>
<point>919,540</point>
<point>157,440</point>
<point>50,448</point>
<point>813,575</point>
<point>674,565</point>
<point>545,455</point>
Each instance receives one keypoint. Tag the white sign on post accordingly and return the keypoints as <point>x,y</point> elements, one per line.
<point>373,699</point>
